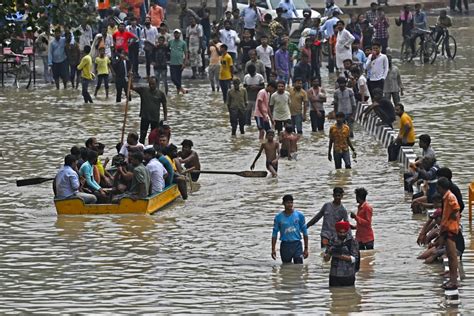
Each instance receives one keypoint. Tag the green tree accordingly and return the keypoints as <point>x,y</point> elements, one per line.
<point>42,13</point>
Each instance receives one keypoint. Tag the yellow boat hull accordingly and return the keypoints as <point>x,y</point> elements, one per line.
<point>126,206</point>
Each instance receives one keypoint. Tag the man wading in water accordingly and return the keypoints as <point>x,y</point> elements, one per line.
<point>290,224</point>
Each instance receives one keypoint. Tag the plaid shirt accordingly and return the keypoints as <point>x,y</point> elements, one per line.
<point>370,16</point>
<point>381,27</point>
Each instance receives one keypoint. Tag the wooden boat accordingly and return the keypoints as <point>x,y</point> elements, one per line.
<point>148,205</point>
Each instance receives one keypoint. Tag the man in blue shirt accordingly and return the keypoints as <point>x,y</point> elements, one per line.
<point>66,184</point>
<point>57,59</point>
<point>290,223</point>
<point>250,15</point>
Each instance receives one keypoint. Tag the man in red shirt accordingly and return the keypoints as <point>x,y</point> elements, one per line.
<point>364,234</point>
<point>121,38</point>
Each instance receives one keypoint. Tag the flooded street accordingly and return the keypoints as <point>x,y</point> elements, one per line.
<point>211,253</point>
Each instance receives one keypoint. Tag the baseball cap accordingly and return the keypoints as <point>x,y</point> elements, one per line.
<point>177,31</point>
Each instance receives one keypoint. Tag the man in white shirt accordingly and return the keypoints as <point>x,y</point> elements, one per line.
<point>377,68</point>
<point>149,37</point>
<point>132,142</point>
<point>253,82</point>
<point>156,169</point>
<point>86,35</point>
<point>231,39</point>
<point>266,56</point>
<point>280,104</point>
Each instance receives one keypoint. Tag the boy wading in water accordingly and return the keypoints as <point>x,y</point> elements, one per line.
<point>272,149</point>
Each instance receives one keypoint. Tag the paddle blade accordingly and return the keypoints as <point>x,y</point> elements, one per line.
<point>253,174</point>
<point>33,181</point>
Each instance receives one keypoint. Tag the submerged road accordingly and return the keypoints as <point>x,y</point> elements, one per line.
<point>212,253</point>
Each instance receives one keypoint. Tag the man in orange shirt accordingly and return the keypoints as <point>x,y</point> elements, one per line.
<point>449,228</point>
<point>103,6</point>
<point>339,136</point>
<point>157,15</point>
<point>135,4</point>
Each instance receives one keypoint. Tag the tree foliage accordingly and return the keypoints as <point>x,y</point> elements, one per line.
<point>43,14</point>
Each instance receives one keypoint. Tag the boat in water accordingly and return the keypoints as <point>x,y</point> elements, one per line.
<point>148,205</point>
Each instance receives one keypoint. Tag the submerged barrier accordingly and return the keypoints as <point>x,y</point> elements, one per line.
<point>385,136</point>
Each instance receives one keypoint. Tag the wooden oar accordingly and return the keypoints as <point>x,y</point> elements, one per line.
<point>32,181</point>
<point>245,174</point>
<point>126,107</point>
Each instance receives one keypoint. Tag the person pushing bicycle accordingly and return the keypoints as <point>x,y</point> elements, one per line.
<point>420,26</point>
<point>442,24</point>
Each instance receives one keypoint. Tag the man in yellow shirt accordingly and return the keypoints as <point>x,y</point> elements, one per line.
<point>406,134</point>
<point>226,71</point>
<point>102,69</point>
<point>86,73</point>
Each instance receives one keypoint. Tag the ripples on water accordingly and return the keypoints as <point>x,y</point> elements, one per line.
<point>212,252</point>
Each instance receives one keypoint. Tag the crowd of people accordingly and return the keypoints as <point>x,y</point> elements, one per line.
<point>263,75</point>
<point>137,172</point>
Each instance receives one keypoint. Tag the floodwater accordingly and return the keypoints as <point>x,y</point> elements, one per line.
<point>211,253</point>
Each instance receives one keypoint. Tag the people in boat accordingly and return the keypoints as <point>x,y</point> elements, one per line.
<point>67,184</point>
<point>332,212</point>
<point>106,179</point>
<point>363,217</point>
<point>343,251</point>
<point>189,158</point>
<point>132,142</point>
<point>140,185</point>
<point>272,153</point>
<point>87,171</point>
<point>290,223</point>
<point>157,171</point>
<point>168,166</point>
<point>171,153</point>
<point>155,134</point>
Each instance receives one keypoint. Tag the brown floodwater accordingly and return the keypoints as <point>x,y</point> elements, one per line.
<point>211,253</point>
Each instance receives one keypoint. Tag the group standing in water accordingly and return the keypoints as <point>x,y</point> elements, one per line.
<point>337,241</point>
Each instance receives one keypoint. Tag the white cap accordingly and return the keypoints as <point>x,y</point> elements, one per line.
<point>177,30</point>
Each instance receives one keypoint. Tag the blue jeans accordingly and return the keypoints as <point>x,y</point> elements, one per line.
<point>297,122</point>
<point>85,90</point>
<point>285,78</point>
<point>338,157</point>
<point>291,251</point>
<point>162,74</point>
<point>225,85</point>
<point>176,74</point>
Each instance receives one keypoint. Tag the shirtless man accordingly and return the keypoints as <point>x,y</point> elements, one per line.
<point>189,158</point>
<point>272,149</point>
<point>289,140</point>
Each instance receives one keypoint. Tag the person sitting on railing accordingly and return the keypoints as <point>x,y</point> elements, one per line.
<point>382,107</point>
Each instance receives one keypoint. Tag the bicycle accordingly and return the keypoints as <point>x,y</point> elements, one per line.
<point>446,44</point>
<point>426,49</point>
<point>20,70</point>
